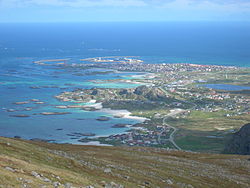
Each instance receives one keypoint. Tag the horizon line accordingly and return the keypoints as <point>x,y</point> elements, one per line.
<point>160,21</point>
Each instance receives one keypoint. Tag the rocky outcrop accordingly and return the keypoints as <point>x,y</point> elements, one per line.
<point>141,90</point>
<point>20,115</point>
<point>120,125</point>
<point>103,94</point>
<point>240,142</point>
<point>150,93</point>
<point>95,92</point>
<point>103,118</point>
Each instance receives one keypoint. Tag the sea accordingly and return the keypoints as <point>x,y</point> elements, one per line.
<point>213,43</point>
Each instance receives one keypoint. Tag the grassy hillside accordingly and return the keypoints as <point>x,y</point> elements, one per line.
<point>36,164</point>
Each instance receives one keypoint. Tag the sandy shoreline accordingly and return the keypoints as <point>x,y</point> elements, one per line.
<point>97,106</point>
<point>124,114</point>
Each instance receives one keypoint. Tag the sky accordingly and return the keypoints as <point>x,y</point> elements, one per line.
<point>123,10</point>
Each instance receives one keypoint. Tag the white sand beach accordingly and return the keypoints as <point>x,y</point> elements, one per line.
<point>123,114</point>
<point>97,106</point>
<point>92,101</point>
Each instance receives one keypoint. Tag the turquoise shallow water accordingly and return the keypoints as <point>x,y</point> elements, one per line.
<point>15,87</point>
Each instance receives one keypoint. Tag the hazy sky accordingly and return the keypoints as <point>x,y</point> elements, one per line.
<point>123,10</point>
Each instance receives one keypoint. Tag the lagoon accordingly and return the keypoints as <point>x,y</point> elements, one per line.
<point>227,87</point>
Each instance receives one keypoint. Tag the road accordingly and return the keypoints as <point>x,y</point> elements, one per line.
<point>172,114</point>
<point>171,137</point>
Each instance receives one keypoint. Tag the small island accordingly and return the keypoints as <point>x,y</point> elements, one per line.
<point>103,118</point>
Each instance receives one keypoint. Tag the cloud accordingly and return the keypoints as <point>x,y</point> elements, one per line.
<point>120,3</point>
<point>187,5</point>
<point>74,3</point>
<point>224,1</point>
<point>123,10</point>
<point>206,5</point>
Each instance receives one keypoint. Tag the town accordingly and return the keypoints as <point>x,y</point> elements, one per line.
<point>182,88</point>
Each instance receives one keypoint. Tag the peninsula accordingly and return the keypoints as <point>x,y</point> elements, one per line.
<point>183,111</point>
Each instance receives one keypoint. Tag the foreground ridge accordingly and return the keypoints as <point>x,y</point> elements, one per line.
<point>38,164</point>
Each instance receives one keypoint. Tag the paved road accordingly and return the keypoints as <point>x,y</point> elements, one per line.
<point>171,137</point>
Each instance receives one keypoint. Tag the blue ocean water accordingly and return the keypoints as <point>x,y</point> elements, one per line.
<point>226,43</point>
<point>21,44</point>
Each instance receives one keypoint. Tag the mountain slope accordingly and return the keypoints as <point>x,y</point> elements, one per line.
<point>240,142</point>
<point>37,164</point>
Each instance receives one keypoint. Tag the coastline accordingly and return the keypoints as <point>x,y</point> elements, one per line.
<point>124,114</point>
<point>121,114</point>
<point>96,105</point>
